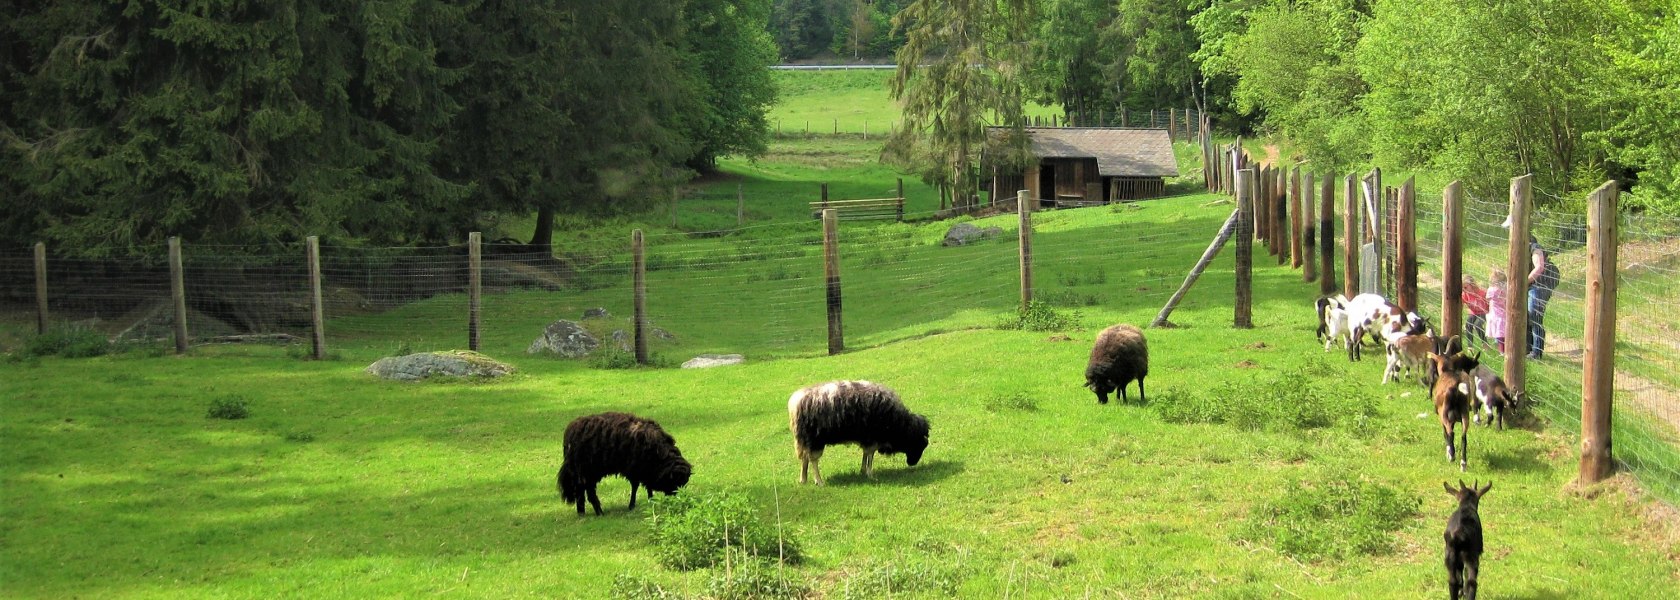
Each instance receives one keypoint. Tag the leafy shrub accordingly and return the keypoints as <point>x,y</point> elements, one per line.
<point>628,586</point>
<point>229,407</point>
<point>1040,316</point>
<point>1292,401</point>
<point>69,341</point>
<point>1339,519</point>
<point>693,531</point>
<point>756,580</point>
<point>610,356</point>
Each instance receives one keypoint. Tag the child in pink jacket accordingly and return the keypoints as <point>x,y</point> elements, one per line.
<point>1496,292</point>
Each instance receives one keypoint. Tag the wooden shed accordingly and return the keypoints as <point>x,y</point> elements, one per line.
<point>1082,166</point>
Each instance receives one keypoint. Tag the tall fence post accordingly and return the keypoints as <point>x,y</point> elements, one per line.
<point>1352,231</point>
<point>1295,224</point>
<point>40,287</point>
<point>740,206</point>
<point>1516,276</point>
<point>1245,188</point>
<point>1309,231</point>
<point>317,313</point>
<point>1407,265</point>
<point>1262,207</point>
<point>1599,365</point>
<point>1327,236</point>
<point>475,288</point>
<point>831,274</point>
<point>1452,260</point>
<point>1023,208</point>
<point>1280,226</point>
<point>178,293</point>
<point>638,290</point>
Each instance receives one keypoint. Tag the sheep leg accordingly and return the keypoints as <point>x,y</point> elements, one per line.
<point>816,466</point>
<point>1141,398</point>
<point>869,462</point>
<point>594,500</point>
<point>633,486</point>
<point>1125,399</point>
<point>804,462</point>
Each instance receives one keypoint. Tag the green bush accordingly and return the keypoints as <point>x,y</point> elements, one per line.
<point>694,531</point>
<point>756,579</point>
<point>610,356</point>
<point>627,586</point>
<point>69,341</point>
<point>229,407</point>
<point>1041,316</point>
<point>1338,519</point>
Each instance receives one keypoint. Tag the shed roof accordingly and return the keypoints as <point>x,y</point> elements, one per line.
<point>1120,152</point>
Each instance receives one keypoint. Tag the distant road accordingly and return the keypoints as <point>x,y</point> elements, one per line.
<point>827,67</point>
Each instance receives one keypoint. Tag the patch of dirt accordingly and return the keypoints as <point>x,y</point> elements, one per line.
<point>1060,337</point>
<point>1247,364</point>
<point>1272,155</point>
<point>1257,346</point>
<point>1660,522</point>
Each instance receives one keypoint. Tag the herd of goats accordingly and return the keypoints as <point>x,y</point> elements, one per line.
<point>873,417</point>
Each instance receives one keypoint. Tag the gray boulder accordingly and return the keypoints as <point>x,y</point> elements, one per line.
<point>565,338</point>
<point>966,233</point>
<point>456,363</point>
<point>713,360</point>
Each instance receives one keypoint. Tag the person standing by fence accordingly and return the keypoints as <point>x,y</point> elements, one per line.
<point>1542,279</point>
<point>1476,303</point>
<point>1496,292</point>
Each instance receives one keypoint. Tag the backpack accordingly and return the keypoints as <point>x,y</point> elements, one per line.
<point>1549,276</point>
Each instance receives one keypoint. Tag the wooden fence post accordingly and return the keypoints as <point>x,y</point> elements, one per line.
<point>638,290</point>
<point>1246,188</point>
<point>740,206</point>
<point>1516,276</point>
<point>1407,266</point>
<point>1452,260</point>
<point>831,274</point>
<point>475,289</point>
<point>1023,208</point>
<point>1309,231</point>
<point>1281,226</point>
<point>1295,224</point>
<point>1262,207</point>
<point>824,196</point>
<point>673,207</point>
<point>40,287</point>
<point>1352,231</point>
<point>178,292</point>
<point>317,313</point>
<point>1599,366</point>
<point>1327,236</point>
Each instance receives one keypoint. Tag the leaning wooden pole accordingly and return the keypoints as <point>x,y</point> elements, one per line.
<point>1023,208</point>
<point>638,291</point>
<point>178,293</point>
<point>1598,370</point>
<point>1516,276</point>
<point>1246,187</point>
<point>1327,236</point>
<point>317,312</point>
<point>1452,260</point>
<point>1351,236</point>
<point>831,275</point>
<point>40,287</point>
<point>1224,235</point>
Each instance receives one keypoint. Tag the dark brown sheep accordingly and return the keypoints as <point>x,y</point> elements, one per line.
<point>615,443</point>
<point>1119,356</point>
<point>853,412</point>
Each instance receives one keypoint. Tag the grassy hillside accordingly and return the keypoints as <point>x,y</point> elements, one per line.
<point>341,485</point>
<point>855,101</point>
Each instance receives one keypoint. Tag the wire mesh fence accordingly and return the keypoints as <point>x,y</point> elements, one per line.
<point>1184,124</point>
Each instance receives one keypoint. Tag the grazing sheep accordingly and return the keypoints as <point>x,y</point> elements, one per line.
<point>1451,391</point>
<point>615,443</point>
<point>853,412</point>
<point>1464,540</point>
<point>1119,356</point>
<point>1409,352</point>
<point>1493,396</point>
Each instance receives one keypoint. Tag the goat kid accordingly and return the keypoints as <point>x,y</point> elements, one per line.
<point>1451,391</point>
<point>1493,397</point>
<point>1464,540</point>
<point>1409,352</point>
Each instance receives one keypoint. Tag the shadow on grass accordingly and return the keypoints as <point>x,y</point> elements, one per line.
<point>928,472</point>
<point>1517,461</point>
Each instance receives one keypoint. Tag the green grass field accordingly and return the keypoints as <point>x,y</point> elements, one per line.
<point>845,101</point>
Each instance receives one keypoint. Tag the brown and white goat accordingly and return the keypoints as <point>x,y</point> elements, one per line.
<point>1409,352</point>
<point>1452,391</point>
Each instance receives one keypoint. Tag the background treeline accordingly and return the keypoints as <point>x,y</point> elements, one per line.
<point>365,121</point>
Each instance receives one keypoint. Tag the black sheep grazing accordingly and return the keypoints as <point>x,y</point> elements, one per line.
<point>615,443</point>
<point>1464,540</point>
<point>853,412</point>
<point>1119,356</point>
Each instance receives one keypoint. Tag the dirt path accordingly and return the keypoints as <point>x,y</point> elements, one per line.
<point>1272,155</point>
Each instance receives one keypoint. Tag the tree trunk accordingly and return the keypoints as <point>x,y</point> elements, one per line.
<point>543,237</point>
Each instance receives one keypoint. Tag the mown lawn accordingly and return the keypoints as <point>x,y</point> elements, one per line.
<point>116,484</point>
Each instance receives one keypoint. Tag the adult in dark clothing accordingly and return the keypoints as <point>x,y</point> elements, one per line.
<point>1542,279</point>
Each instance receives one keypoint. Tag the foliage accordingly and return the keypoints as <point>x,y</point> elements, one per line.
<point>1293,401</point>
<point>1337,517</point>
<point>229,408</point>
<point>693,531</point>
<point>1041,316</point>
<point>69,341</point>
<point>756,579</point>
<point>632,586</point>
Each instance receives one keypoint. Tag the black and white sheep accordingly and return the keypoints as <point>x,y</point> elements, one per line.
<point>853,412</point>
<point>1464,540</point>
<point>615,443</point>
<point>1119,356</point>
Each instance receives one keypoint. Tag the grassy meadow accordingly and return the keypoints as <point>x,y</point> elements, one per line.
<point>1260,467</point>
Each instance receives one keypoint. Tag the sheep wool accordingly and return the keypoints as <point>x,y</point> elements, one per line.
<point>1119,356</point>
<point>615,443</point>
<point>853,412</point>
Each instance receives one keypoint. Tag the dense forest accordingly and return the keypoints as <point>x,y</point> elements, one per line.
<point>365,121</point>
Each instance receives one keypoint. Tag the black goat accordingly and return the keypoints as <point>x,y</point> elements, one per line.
<point>1464,540</point>
<point>615,443</point>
